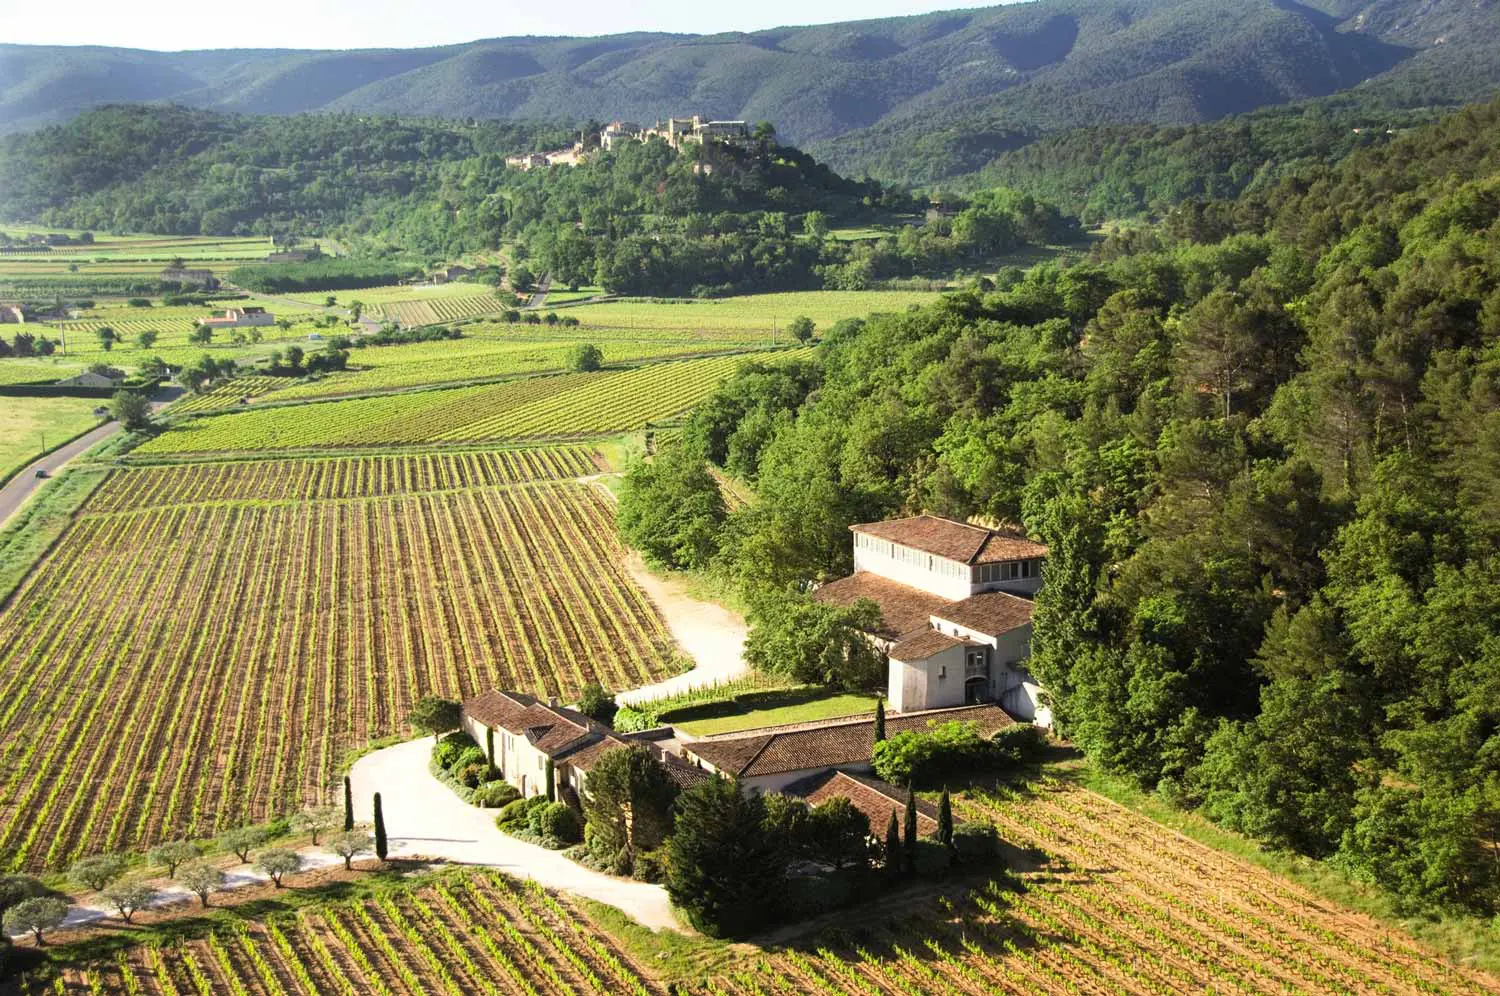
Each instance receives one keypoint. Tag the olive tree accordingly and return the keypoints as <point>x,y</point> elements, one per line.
<point>128,898</point>
<point>242,840</point>
<point>14,890</point>
<point>36,915</point>
<point>97,872</point>
<point>317,820</point>
<point>349,845</point>
<point>202,878</point>
<point>279,862</point>
<point>173,853</point>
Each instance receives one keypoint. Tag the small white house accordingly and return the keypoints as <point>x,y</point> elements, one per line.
<point>245,317</point>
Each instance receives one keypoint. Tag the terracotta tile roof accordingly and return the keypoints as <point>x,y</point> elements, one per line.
<point>871,796</point>
<point>922,644</point>
<point>954,540</point>
<point>993,613</point>
<point>553,730</point>
<point>902,609</point>
<point>833,744</point>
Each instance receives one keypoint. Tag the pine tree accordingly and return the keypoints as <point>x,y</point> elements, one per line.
<point>879,720</point>
<point>380,842</point>
<point>945,821</point>
<point>892,845</point>
<point>348,805</point>
<point>910,856</point>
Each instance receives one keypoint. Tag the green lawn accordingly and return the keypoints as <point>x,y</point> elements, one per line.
<point>26,423</point>
<point>778,708</point>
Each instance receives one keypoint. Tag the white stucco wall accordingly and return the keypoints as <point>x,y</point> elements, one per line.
<point>934,683</point>
<point>953,586</point>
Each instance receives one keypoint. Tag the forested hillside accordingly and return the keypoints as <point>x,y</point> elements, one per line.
<point>642,219</point>
<point>1262,447</point>
<point>911,98</point>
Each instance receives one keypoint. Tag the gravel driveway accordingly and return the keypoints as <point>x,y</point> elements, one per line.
<point>423,818</point>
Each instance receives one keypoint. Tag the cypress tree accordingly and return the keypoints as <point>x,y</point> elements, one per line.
<point>489,749</point>
<point>348,805</point>
<point>892,845</point>
<point>551,782</point>
<point>879,720</point>
<point>945,820</point>
<point>910,856</point>
<point>380,843</point>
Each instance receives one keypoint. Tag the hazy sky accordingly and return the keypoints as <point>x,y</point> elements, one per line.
<point>180,24</point>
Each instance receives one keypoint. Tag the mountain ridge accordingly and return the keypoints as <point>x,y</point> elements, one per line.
<point>857,93</point>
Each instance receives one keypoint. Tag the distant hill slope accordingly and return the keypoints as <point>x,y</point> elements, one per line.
<point>953,88</point>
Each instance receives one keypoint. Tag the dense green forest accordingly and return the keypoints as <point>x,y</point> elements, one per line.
<point>1125,171</point>
<point>175,171</point>
<point>1262,444</point>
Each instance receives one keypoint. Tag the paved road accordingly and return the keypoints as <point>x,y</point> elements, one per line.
<point>542,290</point>
<point>14,494</point>
<point>424,819</point>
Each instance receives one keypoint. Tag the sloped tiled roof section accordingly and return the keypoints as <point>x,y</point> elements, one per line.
<point>875,798</point>
<point>827,745</point>
<point>993,613</point>
<point>954,540</point>
<point>924,644</point>
<point>553,730</point>
<point>902,609</point>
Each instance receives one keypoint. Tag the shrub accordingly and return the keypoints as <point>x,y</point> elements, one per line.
<point>597,704</point>
<point>921,757</point>
<point>471,776</point>
<point>495,795</point>
<point>559,821</point>
<point>513,812</point>
<point>450,747</point>
<point>1019,744</point>
<point>975,843</point>
<point>650,867</point>
<point>466,757</point>
<point>628,720</point>
<point>585,356</point>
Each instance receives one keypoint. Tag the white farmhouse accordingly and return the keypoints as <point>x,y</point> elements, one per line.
<point>955,600</point>
<point>232,318</point>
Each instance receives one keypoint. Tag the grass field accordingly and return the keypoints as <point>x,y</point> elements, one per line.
<point>459,933</point>
<point>26,423</point>
<point>760,313</point>
<point>231,652</point>
<point>540,407</point>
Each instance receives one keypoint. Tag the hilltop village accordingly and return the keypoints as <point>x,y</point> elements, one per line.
<point>678,133</point>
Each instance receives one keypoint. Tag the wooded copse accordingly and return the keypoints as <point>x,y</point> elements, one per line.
<point>1261,447</point>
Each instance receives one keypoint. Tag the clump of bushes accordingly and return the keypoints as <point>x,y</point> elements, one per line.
<point>953,750</point>
<point>460,763</point>
<point>495,795</point>
<point>551,824</point>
